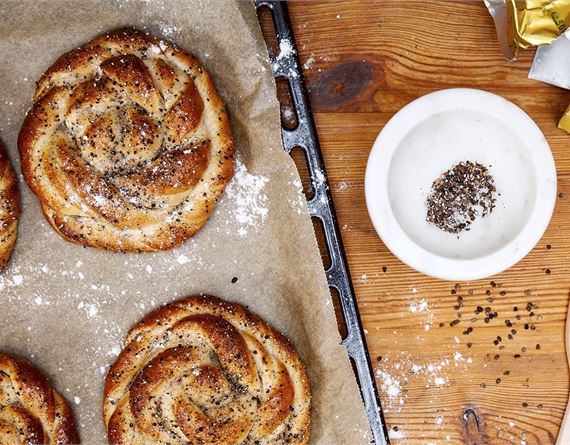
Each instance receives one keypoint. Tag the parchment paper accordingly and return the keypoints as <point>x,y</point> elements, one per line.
<point>68,308</point>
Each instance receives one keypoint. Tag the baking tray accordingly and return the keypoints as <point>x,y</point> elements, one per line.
<point>304,137</point>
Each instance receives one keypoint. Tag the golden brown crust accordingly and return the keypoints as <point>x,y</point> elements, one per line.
<point>9,208</point>
<point>31,412</point>
<point>206,371</point>
<point>128,145</point>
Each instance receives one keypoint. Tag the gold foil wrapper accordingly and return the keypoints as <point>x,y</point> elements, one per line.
<point>524,23</point>
<point>564,122</point>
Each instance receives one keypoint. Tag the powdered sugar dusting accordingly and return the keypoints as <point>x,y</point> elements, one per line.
<point>440,381</point>
<point>246,192</point>
<point>286,51</point>
<point>298,202</point>
<point>418,307</point>
<point>169,30</point>
<point>168,27</point>
<point>396,434</point>
<point>182,259</point>
<point>308,63</point>
<point>390,385</point>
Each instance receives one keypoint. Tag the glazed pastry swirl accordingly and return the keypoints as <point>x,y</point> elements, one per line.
<point>9,208</point>
<point>31,412</point>
<point>128,145</point>
<point>205,371</point>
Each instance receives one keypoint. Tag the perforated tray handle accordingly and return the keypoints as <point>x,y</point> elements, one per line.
<point>321,206</point>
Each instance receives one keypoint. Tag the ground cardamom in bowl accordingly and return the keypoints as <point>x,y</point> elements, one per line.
<point>460,195</point>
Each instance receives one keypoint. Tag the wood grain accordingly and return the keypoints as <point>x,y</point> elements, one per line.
<point>363,62</point>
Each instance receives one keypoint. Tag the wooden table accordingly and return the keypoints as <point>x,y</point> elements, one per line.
<point>440,383</point>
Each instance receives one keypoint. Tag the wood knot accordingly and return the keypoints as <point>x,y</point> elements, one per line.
<point>341,85</point>
<point>472,427</point>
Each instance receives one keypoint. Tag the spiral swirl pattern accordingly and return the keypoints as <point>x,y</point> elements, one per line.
<point>127,145</point>
<point>9,208</point>
<point>31,412</point>
<point>205,371</point>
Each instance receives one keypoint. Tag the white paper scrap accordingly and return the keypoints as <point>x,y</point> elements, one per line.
<point>552,63</point>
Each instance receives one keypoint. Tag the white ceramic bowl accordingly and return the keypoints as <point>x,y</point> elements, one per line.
<point>428,137</point>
